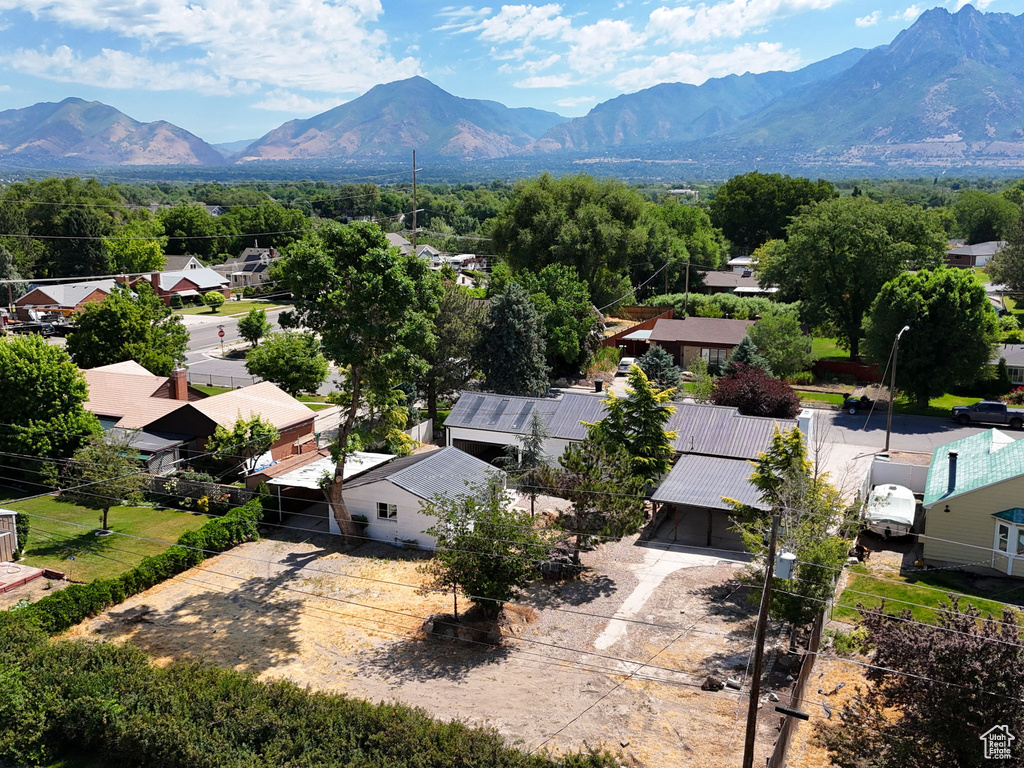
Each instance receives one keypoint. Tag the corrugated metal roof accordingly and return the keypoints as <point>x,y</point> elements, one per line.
<point>712,430</point>
<point>448,471</point>
<point>984,458</point>
<point>703,481</point>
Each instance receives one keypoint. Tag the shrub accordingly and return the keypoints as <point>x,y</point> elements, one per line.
<point>214,300</point>
<point>800,378</point>
<point>177,302</point>
<point>65,609</point>
<point>755,393</point>
<point>21,530</point>
<point>1015,397</point>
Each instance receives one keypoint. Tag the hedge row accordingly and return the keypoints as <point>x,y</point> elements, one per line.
<point>70,606</point>
<point>85,699</point>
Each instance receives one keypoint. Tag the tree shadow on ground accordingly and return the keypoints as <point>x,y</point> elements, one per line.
<point>424,659</point>
<point>250,625</point>
<point>586,589</point>
<point>63,546</point>
<point>730,600</point>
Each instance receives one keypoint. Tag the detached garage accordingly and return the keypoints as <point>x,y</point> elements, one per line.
<point>693,507</point>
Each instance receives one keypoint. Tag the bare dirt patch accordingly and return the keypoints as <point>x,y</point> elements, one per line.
<point>352,624</point>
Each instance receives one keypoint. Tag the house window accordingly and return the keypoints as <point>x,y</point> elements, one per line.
<point>1016,374</point>
<point>386,511</point>
<point>1002,537</point>
<point>715,356</point>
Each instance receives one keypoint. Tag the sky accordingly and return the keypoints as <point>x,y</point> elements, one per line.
<point>229,70</point>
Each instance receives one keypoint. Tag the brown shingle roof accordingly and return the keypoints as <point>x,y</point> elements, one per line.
<point>127,396</point>
<point>711,331</point>
<point>264,399</point>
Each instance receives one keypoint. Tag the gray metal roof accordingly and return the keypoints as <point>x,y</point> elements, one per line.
<point>703,481</point>
<point>149,442</point>
<point>712,430</point>
<point>70,294</point>
<point>989,248</point>
<point>448,471</point>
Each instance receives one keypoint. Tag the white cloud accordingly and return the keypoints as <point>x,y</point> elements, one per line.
<point>732,18</point>
<point>536,65</point>
<point>597,47</point>
<point>522,22</point>
<point>868,21</point>
<point>682,67</point>
<point>459,18</point>
<point>296,104</point>
<point>909,15</point>
<point>575,101</point>
<point>118,69</point>
<point>332,46</point>
<point>547,81</point>
<point>981,5</point>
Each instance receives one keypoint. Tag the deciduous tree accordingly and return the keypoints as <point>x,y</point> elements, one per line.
<point>137,246</point>
<point>372,307</point>
<point>485,547</point>
<point>568,316</point>
<point>782,343</point>
<point>982,217</point>
<point>105,473</point>
<point>755,393</point>
<point>933,692</point>
<point>42,412</point>
<point>846,249</point>
<point>953,330</point>
<point>254,326</point>
<point>292,360</point>
<point>129,325</point>
<point>1007,266</point>
<point>214,300</point>
<point>246,440</point>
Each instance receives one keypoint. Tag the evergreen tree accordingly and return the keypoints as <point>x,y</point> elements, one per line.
<point>530,466</point>
<point>511,347</point>
<point>80,251</point>
<point>746,354</point>
<point>660,368</point>
<point>637,423</point>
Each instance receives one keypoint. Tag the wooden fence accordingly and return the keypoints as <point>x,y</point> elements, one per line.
<point>789,724</point>
<point>638,314</point>
<point>631,348</point>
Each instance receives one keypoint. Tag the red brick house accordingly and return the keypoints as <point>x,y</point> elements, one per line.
<point>190,284</point>
<point>65,298</point>
<point>712,338</point>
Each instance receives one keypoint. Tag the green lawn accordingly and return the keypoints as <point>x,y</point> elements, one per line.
<point>53,542</point>
<point>828,349</point>
<point>229,308</point>
<point>974,588</point>
<point>313,402</point>
<point>211,390</point>
<point>821,397</point>
<point>938,406</point>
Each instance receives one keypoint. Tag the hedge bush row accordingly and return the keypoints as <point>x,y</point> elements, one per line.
<point>88,699</point>
<point>68,607</point>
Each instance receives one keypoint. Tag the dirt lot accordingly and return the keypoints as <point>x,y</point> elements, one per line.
<point>822,695</point>
<point>295,608</point>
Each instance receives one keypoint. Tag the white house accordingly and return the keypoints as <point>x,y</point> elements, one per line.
<point>390,496</point>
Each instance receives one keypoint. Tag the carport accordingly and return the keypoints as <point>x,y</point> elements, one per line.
<point>693,510</point>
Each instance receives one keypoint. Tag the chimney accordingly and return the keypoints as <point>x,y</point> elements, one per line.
<point>952,472</point>
<point>179,384</point>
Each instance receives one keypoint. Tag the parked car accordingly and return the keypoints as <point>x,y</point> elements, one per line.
<point>625,363</point>
<point>989,412</point>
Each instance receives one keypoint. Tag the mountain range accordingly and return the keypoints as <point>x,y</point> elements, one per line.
<point>948,91</point>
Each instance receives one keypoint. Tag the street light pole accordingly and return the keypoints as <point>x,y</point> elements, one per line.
<point>892,385</point>
<point>759,633</point>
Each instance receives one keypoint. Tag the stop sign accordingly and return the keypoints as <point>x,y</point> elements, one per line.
<point>221,333</point>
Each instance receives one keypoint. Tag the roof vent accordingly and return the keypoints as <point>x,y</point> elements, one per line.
<point>951,486</point>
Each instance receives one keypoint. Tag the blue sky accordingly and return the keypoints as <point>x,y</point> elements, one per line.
<point>229,70</point>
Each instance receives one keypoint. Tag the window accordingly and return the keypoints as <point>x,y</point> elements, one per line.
<point>715,356</point>
<point>1016,374</point>
<point>386,511</point>
<point>1002,537</point>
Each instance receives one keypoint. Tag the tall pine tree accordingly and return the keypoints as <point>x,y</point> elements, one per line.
<point>511,348</point>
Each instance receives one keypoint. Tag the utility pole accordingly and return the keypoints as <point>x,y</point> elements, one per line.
<point>686,305</point>
<point>759,633</point>
<point>892,385</point>
<point>414,200</point>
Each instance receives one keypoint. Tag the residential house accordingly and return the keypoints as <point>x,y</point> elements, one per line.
<point>182,263</point>
<point>8,535</point>
<point>742,264</point>
<point>189,284</point>
<point>65,298</point>
<point>977,255</point>
<point>388,491</point>
<point>399,242</point>
<point>174,420</point>
<point>431,255</point>
<point>715,445</point>
<point>1013,354</point>
<point>712,338</point>
<point>974,504</point>
<point>740,283</point>
<point>251,268</point>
